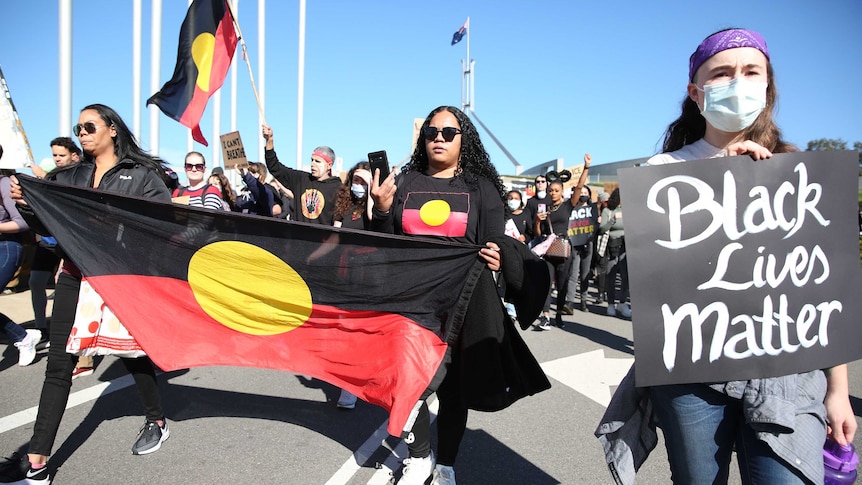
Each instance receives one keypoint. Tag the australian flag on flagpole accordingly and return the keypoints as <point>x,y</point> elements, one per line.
<point>457,36</point>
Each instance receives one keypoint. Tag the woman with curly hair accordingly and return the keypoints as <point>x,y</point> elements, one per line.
<point>451,179</point>
<point>351,202</point>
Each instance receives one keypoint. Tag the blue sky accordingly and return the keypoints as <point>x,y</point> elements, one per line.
<point>553,78</point>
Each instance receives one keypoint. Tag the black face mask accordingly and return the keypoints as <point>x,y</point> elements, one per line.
<point>584,198</point>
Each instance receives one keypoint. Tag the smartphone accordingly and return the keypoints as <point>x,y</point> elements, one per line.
<point>542,208</point>
<point>378,160</point>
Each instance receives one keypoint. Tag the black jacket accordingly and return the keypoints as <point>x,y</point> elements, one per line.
<point>494,365</point>
<point>126,177</point>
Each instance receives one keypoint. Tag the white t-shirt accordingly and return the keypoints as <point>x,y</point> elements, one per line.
<point>698,150</point>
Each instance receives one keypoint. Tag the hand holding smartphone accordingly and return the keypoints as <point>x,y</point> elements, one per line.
<point>379,161</point>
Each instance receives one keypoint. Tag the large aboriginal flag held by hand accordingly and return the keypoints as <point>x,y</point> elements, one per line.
<point>360,310</point>
<point>207,44</point>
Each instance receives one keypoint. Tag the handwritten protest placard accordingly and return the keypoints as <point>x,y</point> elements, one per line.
<point>232,150</point>
<point>742,269</point>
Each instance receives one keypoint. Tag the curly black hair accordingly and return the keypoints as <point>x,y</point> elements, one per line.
<point>474,161</point>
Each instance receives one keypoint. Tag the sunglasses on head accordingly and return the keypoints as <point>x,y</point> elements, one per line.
<point>195,166</point>
<point>430,133</point>
<point>88,127</point>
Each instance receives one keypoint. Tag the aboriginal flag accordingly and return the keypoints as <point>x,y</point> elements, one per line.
<point>207,44</point>
<point>436,214</point>
<point>366,312</point>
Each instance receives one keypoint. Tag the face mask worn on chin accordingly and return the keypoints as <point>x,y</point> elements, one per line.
<point>358,190</point>
<point>541,194</point>
<point>734,105</point>
<point>514,204</point>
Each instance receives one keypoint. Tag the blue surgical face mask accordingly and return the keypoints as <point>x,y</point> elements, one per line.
<point>358,190</point>
<point>733,106</point>
<point>514,204</point>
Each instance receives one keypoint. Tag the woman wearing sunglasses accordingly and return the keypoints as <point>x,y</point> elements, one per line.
<point>112,162</point>
<point>451,179</point>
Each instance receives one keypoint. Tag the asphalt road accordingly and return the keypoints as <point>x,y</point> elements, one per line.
<point>239,425</point>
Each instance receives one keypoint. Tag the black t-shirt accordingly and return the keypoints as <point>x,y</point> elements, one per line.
<point>523,221</point>
<point>355,218</point>
<point>314,200</point>
<point>447,208</point>
<point>558,217</point>
<point>583,224</point>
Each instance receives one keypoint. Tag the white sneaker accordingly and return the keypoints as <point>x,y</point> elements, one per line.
<point>612,312</point>
<point>417,471</point>
<point>27,347</point>
<point>443,475</point>
<point>624,310</point>
<point>346,400</point>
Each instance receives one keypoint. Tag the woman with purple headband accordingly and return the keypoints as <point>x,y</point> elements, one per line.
<point>776,425</point>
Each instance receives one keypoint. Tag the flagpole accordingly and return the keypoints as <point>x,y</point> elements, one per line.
<point>247,63</point>
<point>261,70</point>
<point>233,63</point>
<point>190,141</point>
<point>155,71</point>
<point>65,55</point>
<point>469,68</point>
<point>136,68</point>
<point>300,84</point>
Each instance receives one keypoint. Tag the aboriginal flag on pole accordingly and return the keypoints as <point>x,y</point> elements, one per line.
<point>207,43</point>
<point>363,311</point>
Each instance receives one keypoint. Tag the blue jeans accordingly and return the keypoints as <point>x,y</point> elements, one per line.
<point>701,427</point>
<point>11,253</point>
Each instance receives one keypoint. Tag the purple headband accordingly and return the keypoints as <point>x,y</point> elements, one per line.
<point>720,41</point>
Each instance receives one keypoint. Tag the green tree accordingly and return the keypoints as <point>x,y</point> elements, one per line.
<point>827,144</point>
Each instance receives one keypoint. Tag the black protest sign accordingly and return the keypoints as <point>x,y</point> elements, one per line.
<point>742,269</point>
<point>583,224</point>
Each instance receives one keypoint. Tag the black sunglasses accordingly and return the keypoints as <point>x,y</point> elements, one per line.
<point>88,127</point>
<point>195,166</point>
<point>430,133</point>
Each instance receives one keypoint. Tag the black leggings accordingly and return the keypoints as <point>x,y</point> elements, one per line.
<point>451,422</point>
<point>58,373</point>
<point>559,271</point>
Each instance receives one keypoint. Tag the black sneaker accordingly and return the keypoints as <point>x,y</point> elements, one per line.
<point>151,437</point>
<point>16,469</point>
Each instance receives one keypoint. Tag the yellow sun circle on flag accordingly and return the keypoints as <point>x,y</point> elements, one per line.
<point>248,289</point>
<point>435,212</point>
<point>202,54</point>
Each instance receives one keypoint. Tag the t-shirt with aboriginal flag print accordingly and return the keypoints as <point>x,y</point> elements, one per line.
<point>447,208</point>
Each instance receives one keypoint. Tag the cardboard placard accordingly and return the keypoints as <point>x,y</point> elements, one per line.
<point>233,153</point>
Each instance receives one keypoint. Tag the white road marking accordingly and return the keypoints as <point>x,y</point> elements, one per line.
<point>590,373</point>
<point>28,416</point>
